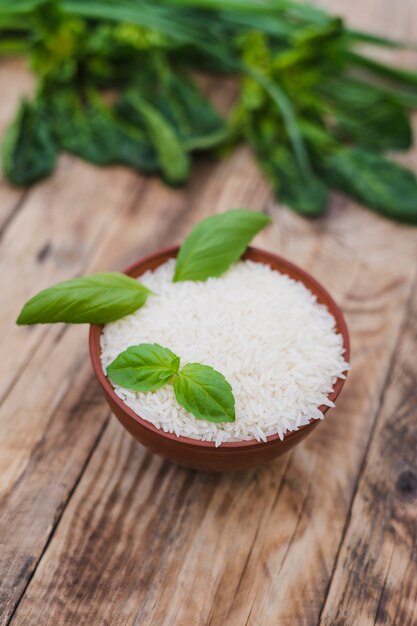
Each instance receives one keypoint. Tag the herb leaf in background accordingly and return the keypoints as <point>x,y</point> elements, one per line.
<point>172,156</point>
<point>117,86</point>
<point>217,242</point>
<point>305,192</point>
<point>29,148</point>
<point>307,195</point>
<point>377,182</point>
<point>205,393</point>
<point>92,131</point>
<point>180,102</point>
<point>145,367</point>
<point>367,115</point>
<point>95,299</point>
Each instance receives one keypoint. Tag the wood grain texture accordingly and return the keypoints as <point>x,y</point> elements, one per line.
<point>95,530</point>
<point>49,358</point>
<point>201,549</point>
<point>375,579</point>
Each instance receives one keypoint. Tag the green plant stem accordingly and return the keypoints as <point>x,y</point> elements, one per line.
<point>287,112</point>
<point>403,76</point>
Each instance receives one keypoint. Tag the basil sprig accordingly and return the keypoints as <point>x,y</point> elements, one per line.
<point>95,299</point>
<point>200,389</point>
<point>217,242</point>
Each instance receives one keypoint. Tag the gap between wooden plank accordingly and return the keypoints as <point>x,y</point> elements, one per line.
<point>381,595</point>
<point>7,391</point>
<point>13,212</point>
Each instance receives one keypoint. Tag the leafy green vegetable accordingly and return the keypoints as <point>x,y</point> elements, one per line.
<point>309,198</point>
<point>205,393</point>
<point>217,242</point>
<point>371,117</point>
<point>95,299</point>
<point>198,125</point>
<point>171,153</point>
<point>90,130</point>
<point>377,182</point>
<point>303,191</point>
<point>145,367</point>
<point>182,105</point>
<point>281,100</point>
<point>399,76</point>
<point>116,85</point>
<point>29,149</point>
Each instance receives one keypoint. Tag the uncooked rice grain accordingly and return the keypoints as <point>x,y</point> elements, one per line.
<point>265,332</point>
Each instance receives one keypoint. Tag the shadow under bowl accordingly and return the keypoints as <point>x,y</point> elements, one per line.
<point>203,455</point>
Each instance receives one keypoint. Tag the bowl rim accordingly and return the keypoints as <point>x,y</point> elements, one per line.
<point>304,277</point>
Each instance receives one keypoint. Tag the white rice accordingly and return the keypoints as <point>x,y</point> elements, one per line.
<point>265,332</point>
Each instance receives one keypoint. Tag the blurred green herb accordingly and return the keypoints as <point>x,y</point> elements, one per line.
<point>29,148</point>
<point>116,85</point>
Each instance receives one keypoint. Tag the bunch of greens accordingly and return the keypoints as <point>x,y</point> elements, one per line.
<point>115,85</point>
<point>212,246</point>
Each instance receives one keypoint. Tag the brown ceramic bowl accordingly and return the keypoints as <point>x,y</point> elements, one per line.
<point>203,455</point>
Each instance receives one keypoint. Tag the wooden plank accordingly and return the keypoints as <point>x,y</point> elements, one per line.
<point>38,429</point>
<point>375,580</point>
<point>380,542</point>
<point>27,512</point>
<point>180,547</point>
<point>257,547</point>
<point>27,417</point>
<point>157,509</point>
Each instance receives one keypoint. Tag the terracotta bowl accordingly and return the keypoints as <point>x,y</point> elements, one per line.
<point>203,455</point>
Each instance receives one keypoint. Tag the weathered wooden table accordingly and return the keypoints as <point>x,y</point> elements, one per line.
<point>95,530</point>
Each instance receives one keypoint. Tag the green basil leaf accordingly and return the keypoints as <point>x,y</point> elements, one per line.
<point>217,242</point>
<point>145,367</point>
<point>96,299</point>
<point>205,393</point>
